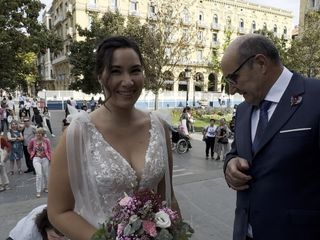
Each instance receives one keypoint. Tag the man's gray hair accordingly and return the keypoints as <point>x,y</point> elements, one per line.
<point>257,44</point>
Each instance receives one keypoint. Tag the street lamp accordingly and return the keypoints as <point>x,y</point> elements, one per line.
<point>187,76</point>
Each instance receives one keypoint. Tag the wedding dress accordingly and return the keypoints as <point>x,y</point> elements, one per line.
<point>99,175</point>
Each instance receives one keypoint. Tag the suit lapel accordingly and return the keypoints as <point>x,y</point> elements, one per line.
<point>284,110</point>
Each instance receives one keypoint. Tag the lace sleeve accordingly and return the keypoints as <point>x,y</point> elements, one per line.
<point>166,159</point>
<point>84,189</point>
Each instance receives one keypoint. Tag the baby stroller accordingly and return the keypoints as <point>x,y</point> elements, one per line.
<point>180,141</point>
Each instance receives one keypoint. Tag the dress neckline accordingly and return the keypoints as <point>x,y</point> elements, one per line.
<point>123,159</point>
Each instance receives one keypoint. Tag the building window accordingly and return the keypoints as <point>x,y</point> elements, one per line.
<point>185,15</point>
<point>228,21</point>
<point>275,28</point>
<point>241,23</point>
<point>214,37</point>
<point>215,19</point>
<point>152,10</point>
<point>264,26</point>
<point>133,6</point>
<point>200,35</point>
<point>313,3</point>
<point>114,4</point>
<point>254,26</point>
<point>285,31</point>
<point>201,17</point>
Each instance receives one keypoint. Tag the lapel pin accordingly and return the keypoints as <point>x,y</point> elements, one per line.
<point>295,100</point>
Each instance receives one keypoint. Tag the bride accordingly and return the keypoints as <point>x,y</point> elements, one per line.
<point>115,149</point>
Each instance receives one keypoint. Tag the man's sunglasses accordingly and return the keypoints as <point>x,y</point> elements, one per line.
<point>232,77</point>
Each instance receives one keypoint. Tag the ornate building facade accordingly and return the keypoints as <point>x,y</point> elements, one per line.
<point>305,6</point>
<point>210,18</point>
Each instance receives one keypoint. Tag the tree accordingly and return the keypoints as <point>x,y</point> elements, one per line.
<point>83,53</point>
<point>165,44</point>
<point>304,54</point>
<point>160,38</point>
<point>281,43</point>
<point>20,34</point>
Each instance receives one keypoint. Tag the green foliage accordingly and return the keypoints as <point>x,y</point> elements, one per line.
<point>202,116</point>
<point>304,54</point>
<point>20,34</point>
<point>83,53</point>
<point>159,33</point>
<point>280,43</point>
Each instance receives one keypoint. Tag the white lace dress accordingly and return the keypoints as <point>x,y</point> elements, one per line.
<point>99,175</point>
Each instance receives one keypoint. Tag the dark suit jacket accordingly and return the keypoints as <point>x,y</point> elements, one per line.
<point>283,201</point>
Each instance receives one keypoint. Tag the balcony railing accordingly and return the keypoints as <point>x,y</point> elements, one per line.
<point>215,44</point>
<point>186,22</point>
<point>215,26</point>
<point>201,24</point>
<point>92,7</point>
<point>241,30</point>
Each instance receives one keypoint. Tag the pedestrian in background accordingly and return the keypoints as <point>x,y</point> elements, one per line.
<point>39,149</point>
<point>16,139</point>
<point>37,119</point>
<point>92,104</point>
<point>209,136</point>
<point>46,115</point>
<point>3,118</point>
<point>274,162</point>
<point>4,153</point>
<point>28,133</point>
<point>223,133</point>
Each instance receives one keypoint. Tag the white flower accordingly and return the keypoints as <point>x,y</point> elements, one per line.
<point>133,218</point>
<point>162,219</point>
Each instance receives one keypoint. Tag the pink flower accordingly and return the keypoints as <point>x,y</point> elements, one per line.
<point>125,201</point>
<point>150,228</point>
<point>120,229</point>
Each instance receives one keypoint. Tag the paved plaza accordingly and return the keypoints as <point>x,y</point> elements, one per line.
<point>205,200</point>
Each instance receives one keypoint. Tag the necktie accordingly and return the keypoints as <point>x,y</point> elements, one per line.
<point>262,124</point>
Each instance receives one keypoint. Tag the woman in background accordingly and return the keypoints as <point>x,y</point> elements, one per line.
<point>16,139</point>
<point>39,149</point>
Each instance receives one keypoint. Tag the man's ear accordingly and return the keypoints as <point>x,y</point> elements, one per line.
<point>263,63</point>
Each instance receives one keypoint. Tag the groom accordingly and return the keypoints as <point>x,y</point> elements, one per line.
<point>274,163</point>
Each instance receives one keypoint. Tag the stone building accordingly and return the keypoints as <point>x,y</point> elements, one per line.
<point>210,18</point>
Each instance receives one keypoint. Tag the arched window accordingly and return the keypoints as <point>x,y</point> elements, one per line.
<point>183,85</point>
<point>215,19</point>
<point>228,20</point>
<point>201,16</point>
<point>185,15</point>
<point>241,24</point>
<point>264,26</point>
<point>254,26</point>
<point>285,31</point>
<point>212,83</point>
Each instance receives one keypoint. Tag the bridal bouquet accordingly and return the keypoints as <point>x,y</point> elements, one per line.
<point>143,217</point>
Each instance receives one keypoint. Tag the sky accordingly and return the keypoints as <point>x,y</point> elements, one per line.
<point>291,5</point>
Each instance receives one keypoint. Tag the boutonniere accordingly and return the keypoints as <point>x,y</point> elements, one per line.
<point>295,100</point>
